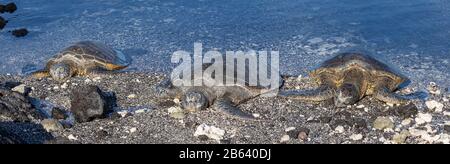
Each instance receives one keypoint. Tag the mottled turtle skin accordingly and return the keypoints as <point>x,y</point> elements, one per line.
<point>348,77</point>
<point>83,58</point>
<point>220,98</point>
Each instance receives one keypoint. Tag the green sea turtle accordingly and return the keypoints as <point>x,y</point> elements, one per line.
<point>81,59</point>
<point>348,77</point>
<point>222,98</point>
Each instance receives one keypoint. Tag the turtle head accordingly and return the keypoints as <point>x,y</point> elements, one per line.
<point>194,101</point>
<point>61,71</point>
<point>347,94</point>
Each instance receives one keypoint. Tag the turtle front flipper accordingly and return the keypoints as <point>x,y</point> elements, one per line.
<point>40,74</point>
<point>165,89</point>
<point>224,105</point>
<point>385,95</point>
<point>322,93</point>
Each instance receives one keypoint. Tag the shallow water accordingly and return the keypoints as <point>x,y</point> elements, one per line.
<point>413,35</point>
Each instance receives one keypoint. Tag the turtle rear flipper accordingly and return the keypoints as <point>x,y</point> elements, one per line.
<point>226,106</point>
<point>385,95</point>
<point>320,94</point>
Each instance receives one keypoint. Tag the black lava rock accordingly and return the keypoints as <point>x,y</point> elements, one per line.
<point>2,8</point>
<point>10,8</point>
<point>10,84</point>
<point>2,23</point>
<point>89,103</point>
<point>20,32</point>
<point>405,111</point>
<point>447,128</point>
<point>300,133</point>
<point>6,137</point>
<point>16,106</point>
<point>59,114</point>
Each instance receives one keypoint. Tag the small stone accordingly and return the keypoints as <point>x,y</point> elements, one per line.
<point>401,137</point>
<point>88,81</point>
<point>102,133</point>
<point>256,115</point>
<point>190,124</point>
<point>285,138</point>
<point>72,137</point>
<point>51,125</point>
<point>366,109</point>
<point>132,96</point>
<point>179,115</point>
<point>210,131</point>
<point>382,123</point>
<point>59,114</point>
<point>423,118</point>
<point>405,111</point>
<point>176,101</point>
<point>424,135</point>
<point>289,129</point>
<point>123,113</point>
<point>132,130</point>
<point>55,87</point>
<point>303,134</point>
<point>356,137</point>
<point>446,113</point>
<point>429,128</point>
<point>360,106</point>
<point>22,88</point>
<point>64,86</point>
<point>406,122</point>
<point>61,141</point>
<point>141,111</point>
<point>433,88</point>
<point>339,129</point>
<point>97,79</point>
<point>434,105</point>
<point>20,32</point>
<point>447,128</point>
<point>444,139</point>
<point>176,112</point>
<point>203,138</point>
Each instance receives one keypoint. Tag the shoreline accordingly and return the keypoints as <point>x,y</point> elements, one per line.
<point>282,120</point>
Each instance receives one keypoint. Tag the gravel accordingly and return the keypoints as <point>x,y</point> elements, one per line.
<point>142,120</point>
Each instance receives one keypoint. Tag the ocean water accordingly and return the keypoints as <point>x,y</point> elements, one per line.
<point>412,35</point>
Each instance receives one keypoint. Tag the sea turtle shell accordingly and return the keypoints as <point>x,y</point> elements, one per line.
<point>90,55</point>
<point>374,69</point>
<point>240,91</point>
